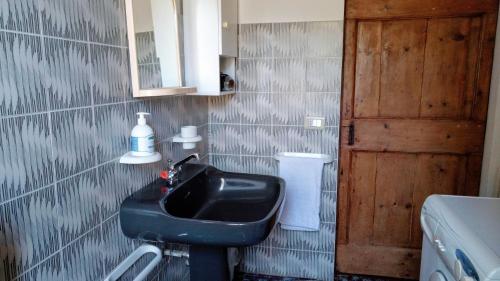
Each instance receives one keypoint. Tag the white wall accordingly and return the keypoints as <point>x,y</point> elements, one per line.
<point>263,11</point>
<point>490,176</point>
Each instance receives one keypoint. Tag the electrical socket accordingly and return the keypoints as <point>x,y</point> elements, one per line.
<point>313,122</point>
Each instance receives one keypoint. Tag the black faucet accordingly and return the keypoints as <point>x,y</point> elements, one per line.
<point>174,169</point>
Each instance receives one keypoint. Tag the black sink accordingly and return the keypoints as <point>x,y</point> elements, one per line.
<point>208,209</point>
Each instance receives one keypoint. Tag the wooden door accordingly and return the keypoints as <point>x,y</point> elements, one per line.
<point>415,95</point>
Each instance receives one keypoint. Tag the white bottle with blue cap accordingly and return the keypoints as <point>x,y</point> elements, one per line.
<point>142,140</point>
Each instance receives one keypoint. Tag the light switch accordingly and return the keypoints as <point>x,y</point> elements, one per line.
<point>314,122</point>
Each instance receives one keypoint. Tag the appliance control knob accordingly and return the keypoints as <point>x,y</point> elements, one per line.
<point>437,276</point>
<point>440,245</point>
<point>457,270</point>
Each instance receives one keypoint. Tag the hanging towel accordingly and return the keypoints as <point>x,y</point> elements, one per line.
<point>303,192</point>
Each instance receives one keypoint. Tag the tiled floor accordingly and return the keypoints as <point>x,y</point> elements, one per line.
<point>338,277</point>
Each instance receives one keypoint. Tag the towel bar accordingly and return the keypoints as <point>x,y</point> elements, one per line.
<point>326,158</point>
<point>132,259</point>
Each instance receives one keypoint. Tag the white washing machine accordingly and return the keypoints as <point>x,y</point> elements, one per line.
<point>461,239</point>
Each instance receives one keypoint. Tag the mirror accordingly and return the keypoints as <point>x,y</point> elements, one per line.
<point>155,46</point>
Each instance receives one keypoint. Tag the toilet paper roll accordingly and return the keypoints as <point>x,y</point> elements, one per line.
<point>189,132</point>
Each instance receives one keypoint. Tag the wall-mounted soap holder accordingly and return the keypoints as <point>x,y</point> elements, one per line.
<point>187,143</point>
<point>129,158</point>
<point>188,137</point>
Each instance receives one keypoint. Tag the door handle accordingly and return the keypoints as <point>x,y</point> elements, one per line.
<point>350,137</point>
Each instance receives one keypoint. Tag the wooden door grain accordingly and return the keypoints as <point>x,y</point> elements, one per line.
<point>415,91</point>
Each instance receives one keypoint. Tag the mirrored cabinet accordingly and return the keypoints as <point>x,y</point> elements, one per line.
<point>182,47</point>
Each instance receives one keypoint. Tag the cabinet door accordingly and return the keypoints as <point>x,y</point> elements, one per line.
<point>228,45</point>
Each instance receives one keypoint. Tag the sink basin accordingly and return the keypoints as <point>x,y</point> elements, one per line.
<point>207,207</point>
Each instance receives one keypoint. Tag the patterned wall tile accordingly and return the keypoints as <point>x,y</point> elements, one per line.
<point>29,231</point>
<point>256,108</point>
<point>21,74</point>
<point>107,22</point>
<point>146,49</point>
<point>73,141</point>
<point>288,139</point>
<point>175,270</point>
<point>289,75</point>
<point>289,263</point>
<point>185,109</point>
<point>150,76</point>
<point>324,104</point>
<point>25,155</point>
<point>322,240</point>
<point>78,199</point>
<point>82,258</point>
<point>255,40</point>
<point>324,39</point>
<point>49,270</point>
<point>112,132</point>
<point>68,77</point>
<point>202,147</point>
<point>199,110</point>
<point>66,18</point>
<point>322,265</point>
<point>115,246</point>
<point>113,189</point>
<point>20,15</point>
<point>330,141</point>
<point>254,75</point>
<point>256,140</point>
<point>257,260</point>
<point>226,163</point>
<point>110,79</point>
<point>289,39</point>
<point>328,207</point>
<point>313,141</point>
<point>225,139</point>
<point>165,119</point>
<point>142,175</point>
<point>259,165</point>
<point>288,109</point>
<point>225,109</point>
<point>330,173</point>
<point>323,75</point>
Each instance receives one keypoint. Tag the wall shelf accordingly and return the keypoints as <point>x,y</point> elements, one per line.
<point>219,93</point>
<point>160,92</point>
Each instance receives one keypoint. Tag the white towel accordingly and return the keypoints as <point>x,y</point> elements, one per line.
<point>303,192</point>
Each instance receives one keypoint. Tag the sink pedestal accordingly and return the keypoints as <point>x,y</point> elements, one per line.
<point>208,263</point>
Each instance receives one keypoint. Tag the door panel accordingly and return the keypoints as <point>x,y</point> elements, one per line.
<point>445,67</point>
<point>394,186</point>
<point>362,197</point>
<point>415,135</point>
<point>414,103</point>
<point>401,67</point>
<point>368,69</point>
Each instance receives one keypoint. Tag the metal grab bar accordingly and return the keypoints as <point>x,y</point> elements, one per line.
<point>132,259</point>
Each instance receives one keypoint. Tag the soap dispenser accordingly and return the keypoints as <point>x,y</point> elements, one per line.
<point>142,140</point>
